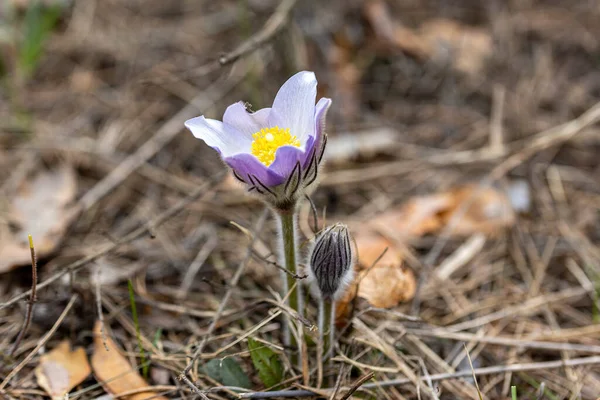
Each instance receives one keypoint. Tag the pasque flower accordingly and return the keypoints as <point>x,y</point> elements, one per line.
<point>332,261</point>
<point>275,151</point>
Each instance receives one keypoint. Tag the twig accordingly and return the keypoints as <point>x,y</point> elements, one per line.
<point>505,341</point>
<point>473,371</point>
<point>357,383</point>
<point>40,344</point>
<point>145,389</point>
<point>268,31</point>
<point>196,265</point>
<point>32,298</point>
<point>496,145</point>
<point>136,234</point>
<point>338,383</point>
<point>279,267</point>
<point>438,377</point>
<point>224,301</point>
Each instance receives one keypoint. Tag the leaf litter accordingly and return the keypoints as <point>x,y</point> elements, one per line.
<point>425,73</point>
<point>42,208</point>
<point>62,369</point>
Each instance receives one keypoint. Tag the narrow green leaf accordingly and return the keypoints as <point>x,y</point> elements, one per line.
<point>513,392</point>
<point>38,24</point>
<point>136,322</point>
<point>266,362</point>
<point>228,372</point>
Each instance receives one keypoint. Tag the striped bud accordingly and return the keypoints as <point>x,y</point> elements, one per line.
<point>331,261</point>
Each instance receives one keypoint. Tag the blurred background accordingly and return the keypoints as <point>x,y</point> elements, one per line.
<point>436,104</point>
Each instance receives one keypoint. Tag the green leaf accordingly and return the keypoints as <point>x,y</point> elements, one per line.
<point>267,362</point>
<point>227,371</point>
<point>38,24</point>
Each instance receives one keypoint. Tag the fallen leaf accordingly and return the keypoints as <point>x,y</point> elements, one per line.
<point>61,369</point>
<point>477,210</point>
<point>387,286</point>
<point>440,40</point>
<point>40,208</point>
<point>466,48</point>
<point>113,371</point>
<point>227,371</point>
<point>372,247</point>
<point>380,278</point>
<point>266,362</point>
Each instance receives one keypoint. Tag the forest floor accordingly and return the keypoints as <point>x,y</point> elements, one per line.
<point>464,145</point>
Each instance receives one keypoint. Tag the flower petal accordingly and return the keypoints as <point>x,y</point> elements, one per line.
<point>245,122</point>
<point>246,165</point>
<point>294,105</point>
<point>286,158</point>
<point>221,137</point>
<point>320,117</point>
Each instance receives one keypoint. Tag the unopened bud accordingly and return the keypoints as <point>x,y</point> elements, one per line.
<point>331,261</point>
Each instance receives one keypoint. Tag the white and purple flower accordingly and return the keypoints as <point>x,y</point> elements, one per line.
<point>276,151</point>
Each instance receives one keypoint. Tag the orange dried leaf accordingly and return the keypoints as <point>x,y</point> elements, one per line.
<point>113,371</point>
<point>380,276</point>
<point>61,369</point>
<point>477,210</point>
<point>373,248</point>
<point>387,286</point>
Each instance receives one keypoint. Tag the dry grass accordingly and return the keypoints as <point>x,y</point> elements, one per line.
<point>119,77</point>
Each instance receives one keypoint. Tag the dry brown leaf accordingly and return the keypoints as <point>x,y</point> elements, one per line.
<point>113,371</point>
<point>387,286</point>
<point>61,369</point>
<point>372,247</point>
<point>466,47</point>
<point>40,208</point>
<point>381,278</point>
<point>485,210</point>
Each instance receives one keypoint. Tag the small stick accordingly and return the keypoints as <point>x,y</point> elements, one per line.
<point>338,384</point>
<point>268,31</point>
<point>40,344</point>
<point>357,383</point>
<point>32,298</point>
<point>279,267</point>
<point>473,371</point>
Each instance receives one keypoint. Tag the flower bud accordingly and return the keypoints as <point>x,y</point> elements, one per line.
<point>332,261</point>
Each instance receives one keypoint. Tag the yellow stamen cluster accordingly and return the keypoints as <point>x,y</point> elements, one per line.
<point>268,140</point>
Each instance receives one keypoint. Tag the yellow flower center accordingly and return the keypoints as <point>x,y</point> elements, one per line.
<point>268,140</point>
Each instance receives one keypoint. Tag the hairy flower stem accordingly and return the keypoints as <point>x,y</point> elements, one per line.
<point>287,221</point>
<point>327,331</point>
<point>327,325</point>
